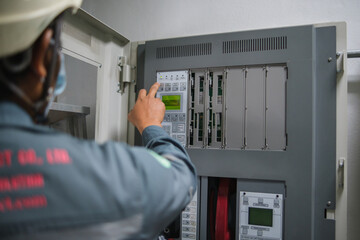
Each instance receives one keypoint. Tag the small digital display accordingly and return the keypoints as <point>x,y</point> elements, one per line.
<point>172,102</point>
<point>261,216</point>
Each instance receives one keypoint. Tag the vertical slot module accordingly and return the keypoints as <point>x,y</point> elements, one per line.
<point>191,111</point>
<point>197,123</point>
<point>215,108</point>
<point>211,120</point>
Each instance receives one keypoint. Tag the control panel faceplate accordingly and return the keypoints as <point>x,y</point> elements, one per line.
<point>189,220</point>
<point>173,92</point>
<point>261,216</point>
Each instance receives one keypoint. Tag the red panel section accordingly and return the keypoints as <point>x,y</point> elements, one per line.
<point>222,231</point>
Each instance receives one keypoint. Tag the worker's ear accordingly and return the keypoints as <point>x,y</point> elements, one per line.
<point>40,53</point>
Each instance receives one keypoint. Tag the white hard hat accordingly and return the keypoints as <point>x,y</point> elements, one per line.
<point>23,21</point>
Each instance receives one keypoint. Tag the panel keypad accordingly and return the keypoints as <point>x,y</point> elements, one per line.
<point>173,92</point>
<point>189,220</point>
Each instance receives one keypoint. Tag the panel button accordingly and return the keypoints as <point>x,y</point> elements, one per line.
<point>181,128</point>
<point>185,229</point>
<point>167,117</point>
<point>189,229</point>
<point>191,236</point>
<point>175,86</point>
<point>188,235</point>
<point>192,210</point>
<point>192,216</point>
<point>186,222</point>
<point>175,117</point>
<point>167,87</point>
<point>174,128</point>
<point>260,233</point>
<point>181,138</point>
<point>260,200</point>
<point>161,87</point>
<point>182,117</point>
<point>182,86</point>
<point>244,231</point>
<point>245,200</point>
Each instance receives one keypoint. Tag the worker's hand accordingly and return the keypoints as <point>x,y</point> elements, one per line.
<point>148,109</point>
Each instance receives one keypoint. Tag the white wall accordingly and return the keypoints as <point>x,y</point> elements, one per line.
<point>157,19</point>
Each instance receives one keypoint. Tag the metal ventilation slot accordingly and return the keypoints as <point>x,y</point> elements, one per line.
<point>199,49</point>
<point>254,45</point>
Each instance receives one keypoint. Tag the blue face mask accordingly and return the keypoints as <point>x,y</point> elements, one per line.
<point>61,78</point>
<point>60,85</point>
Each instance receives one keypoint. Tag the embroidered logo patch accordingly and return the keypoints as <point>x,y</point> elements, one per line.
<point>163,161</point>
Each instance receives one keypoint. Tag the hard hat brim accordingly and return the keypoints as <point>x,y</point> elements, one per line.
<point>19,28</point>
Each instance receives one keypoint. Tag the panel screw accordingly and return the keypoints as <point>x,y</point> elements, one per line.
<point>328,203</point>
<point>329,59</point>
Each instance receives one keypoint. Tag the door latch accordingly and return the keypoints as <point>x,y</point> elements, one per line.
<point>341,172</point>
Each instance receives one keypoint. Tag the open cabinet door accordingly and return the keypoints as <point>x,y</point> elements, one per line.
<point>93,52</point>
<point>340,214</point>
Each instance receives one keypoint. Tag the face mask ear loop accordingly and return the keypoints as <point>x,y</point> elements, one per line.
<point>55,48</point>
<point>47,95</point>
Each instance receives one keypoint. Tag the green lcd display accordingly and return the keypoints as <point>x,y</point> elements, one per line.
<point>172,102</point>
<point>261,216</point>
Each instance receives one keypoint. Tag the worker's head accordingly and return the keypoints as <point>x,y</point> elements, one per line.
<point>31,65</point>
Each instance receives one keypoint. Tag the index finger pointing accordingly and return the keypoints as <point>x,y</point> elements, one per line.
<point>153,89</point>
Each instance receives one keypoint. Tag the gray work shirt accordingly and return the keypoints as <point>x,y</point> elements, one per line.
<point>54,186</point>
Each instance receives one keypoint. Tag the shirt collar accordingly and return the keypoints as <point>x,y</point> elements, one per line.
<point>13,114</point>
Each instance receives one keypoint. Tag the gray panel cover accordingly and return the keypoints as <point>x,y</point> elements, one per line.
<point>275,107</point>
<point>235,107</point>
<point>255,108</point>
